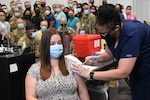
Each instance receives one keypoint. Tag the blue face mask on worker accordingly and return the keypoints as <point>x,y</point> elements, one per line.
<point>17,14</point>
<point>56,51</point>
<point>82,31</point>
<point>86,12</point>
<point>57,10</point>
<point>20,25</point>
<point>43,28</point>
<point>33,35</point>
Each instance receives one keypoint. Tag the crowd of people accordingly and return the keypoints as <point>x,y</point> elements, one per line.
<point>49,32</point>
<point>80,19</point>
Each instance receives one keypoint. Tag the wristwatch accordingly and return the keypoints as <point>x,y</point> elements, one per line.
<point>91,75</point>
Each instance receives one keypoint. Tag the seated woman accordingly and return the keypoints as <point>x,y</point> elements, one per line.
<point>73,22</point>
<point>49,17</point>
<point>51,79</point>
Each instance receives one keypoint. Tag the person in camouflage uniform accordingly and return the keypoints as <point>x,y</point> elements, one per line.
<point>68,33</point>
<point>30,39</point>
<point>12,21</point>
<point>43,26</point>
<point>27,6</point>
<point>19,6</point>
<point>42,8</point>
<point>16,34</point>
<point>13,6</point>
<point>88,21</point>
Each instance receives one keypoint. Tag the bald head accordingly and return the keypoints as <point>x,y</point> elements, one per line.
<point>16,10</point>
<point>63,21</point>
<point>42,1</point>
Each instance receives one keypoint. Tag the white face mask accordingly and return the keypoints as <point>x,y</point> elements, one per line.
<point>74,6</point>
<point>79,9</point>
<point>2,19</point>
<point>47,12</point>
<point>6,10</point>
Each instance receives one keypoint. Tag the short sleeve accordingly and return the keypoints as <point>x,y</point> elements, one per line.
<point>77,20</point>
<point>63,15</point>
<point>34,70</point>
<point>131,48</point>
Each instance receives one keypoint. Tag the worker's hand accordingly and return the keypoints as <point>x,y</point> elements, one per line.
<point>80,70</point>
<point>91,60</point>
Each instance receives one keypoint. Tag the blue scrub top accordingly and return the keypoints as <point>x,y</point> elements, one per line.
<point>57,20</point>
<point>134,42</point>
<point>72,22</point>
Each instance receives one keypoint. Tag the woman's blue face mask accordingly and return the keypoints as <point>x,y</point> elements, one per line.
<point>56,50</point>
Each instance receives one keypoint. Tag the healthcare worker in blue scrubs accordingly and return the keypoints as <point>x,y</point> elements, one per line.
<point>127,41</point>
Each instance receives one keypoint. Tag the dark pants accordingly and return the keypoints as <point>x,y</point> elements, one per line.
<point>140,87</point>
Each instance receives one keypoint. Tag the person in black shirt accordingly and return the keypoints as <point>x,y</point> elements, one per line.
<point>37,18</point>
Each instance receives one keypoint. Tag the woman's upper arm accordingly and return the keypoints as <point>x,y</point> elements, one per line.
<point>52,23</point>
<point>78,25</point>
<point>82,89</point>
<point>30,87</point>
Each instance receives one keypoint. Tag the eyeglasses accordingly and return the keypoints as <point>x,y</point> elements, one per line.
<point>106,33</point>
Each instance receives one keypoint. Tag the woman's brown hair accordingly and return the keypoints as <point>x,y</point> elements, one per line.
<point>45,70</point>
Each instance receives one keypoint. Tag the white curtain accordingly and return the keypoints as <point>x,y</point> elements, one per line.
<point>142,9</point>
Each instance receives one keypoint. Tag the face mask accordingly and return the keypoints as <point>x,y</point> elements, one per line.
<point>13,7</point>
<point>17,14</point>
<point>42,5</point>
<point>47,12</point>
<point>2,19</point>
<point>28,8</point>
<point>27,17</point>
<point>56,51</point>
<point>20,26</point>
<point>74,6</point>
<point>92,11</point>
<point>82,31</point>
<point>6,11</point>
<point>57,10</point>
<point>118,10</point>
<point>79,9</point>
<point>19,5</point>
<point>63,25</point>
<point>107,37</point>
<point>33,35</point>
<point>62,8</point>
<point>43,28</point>
<point>66,13</point>
<point>71,16</point>
<point>70,5</point>
<point>86,12</point>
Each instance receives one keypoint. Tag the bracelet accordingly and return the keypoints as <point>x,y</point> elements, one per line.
<point>91,75</point>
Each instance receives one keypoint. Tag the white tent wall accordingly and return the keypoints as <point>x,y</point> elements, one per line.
<point>140,7</point>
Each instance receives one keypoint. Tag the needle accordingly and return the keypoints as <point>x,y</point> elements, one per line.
<point>84,62</point>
